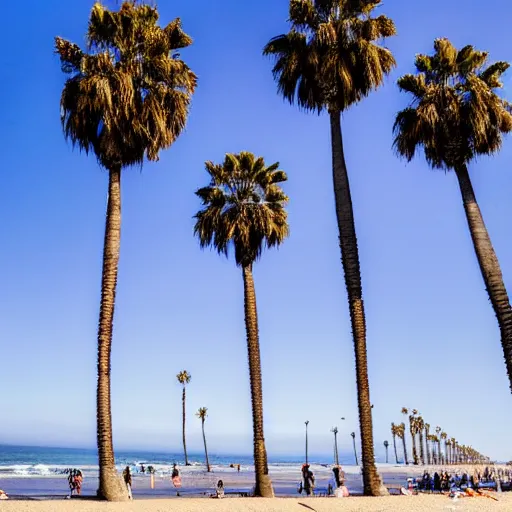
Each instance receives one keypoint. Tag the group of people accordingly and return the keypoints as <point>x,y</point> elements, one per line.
<point>336,486</point>
<point>75,479</point>
<point>443,482</point>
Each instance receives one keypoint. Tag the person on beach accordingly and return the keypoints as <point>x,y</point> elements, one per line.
<point>142,469</point>
<point>176,478</point>
<point>127,476</point>
<point>75,482</point>
<point>339,475</point>
<point>309,479</point>
<point>220,489</point>
<point>3,495</point>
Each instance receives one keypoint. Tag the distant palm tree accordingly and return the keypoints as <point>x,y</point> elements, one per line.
<point>386,445</point>
<point>413,431</point>
<point>444,436</point>
<point>202,413</point>
<point>329,61</point>
<point>184,378</point>
<point>457,116</point>
<point>420,424</point>
<point>427,440</point>
<point>126,99</point>
<point>438,441</point>
<point>401,434</point>
<point>353,434</point>
<point>394,430</point>
<point>243,208</point>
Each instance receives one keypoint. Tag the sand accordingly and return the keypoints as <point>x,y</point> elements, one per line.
<point>354,504</point>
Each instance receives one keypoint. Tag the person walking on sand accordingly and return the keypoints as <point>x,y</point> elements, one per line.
<point>309,479</point>
<point>128,481</point>
<point>175,478</point>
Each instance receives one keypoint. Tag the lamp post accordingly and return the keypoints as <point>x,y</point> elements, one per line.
<point>335,432</point>
<point>306,423</point>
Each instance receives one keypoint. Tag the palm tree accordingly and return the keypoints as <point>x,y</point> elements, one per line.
<point>427,435</point>
<point>438,441</point>
<point>452,450</point>
<point>457,116</point>
<point>125,99</point>
<point>413,431</point>
<point>420,424</point>
<point>329,61</point>
<point>432,440</point>
<point>401,434</point>
<point>202,413</point>
<point>444,435</point>
<point>243,208</point>
<point>394,432</point>
<point>386,445</point>
<point>353,434</point>
<point>184,378</point>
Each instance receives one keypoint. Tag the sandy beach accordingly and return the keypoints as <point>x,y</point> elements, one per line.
<point>419,503</point>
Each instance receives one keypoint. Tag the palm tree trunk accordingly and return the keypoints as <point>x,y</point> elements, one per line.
<point>489,265</point>
<point>355,450</point>
<point>405,450</point>
<point>394,446</point>
<point>386,454</point>
<point>427,446</point>
<point>183,397</point>
<point>439,455</point>
<point>351,268</point>
<point>413,437</point>
<point>422,452</point>
<point>263,483</point>
<point>110,486</point>
<point>205,449</point>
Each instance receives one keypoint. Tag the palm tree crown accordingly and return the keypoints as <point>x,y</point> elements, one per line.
<point>183,377</point>
<point>455,112</point>
<point>330,58</point>
<point>127,96</point>
<point>202,413</point>
<point>243,207</point>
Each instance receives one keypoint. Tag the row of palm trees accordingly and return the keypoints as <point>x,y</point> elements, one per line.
<point>430,445</point>
<point>127,97</point>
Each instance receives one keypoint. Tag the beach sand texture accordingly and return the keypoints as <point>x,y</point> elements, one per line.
<point>355,504</point>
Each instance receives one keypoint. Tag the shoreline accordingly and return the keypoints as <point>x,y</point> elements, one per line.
<point>198,484</point>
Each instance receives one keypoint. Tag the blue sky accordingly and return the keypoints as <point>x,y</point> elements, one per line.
<point>433,342</point>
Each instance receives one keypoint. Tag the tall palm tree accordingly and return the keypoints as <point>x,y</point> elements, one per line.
<point>444,435</point>
<point>401,434</point>
<point>438,441</point>
<point>433,439</point>
<point>452,450</point>
<point>420,424</point>
<point>243,208</point>
<point>413,429</point>
<point>427,440</point>
<point>202,413</point>
<point>386,446</point>
<point>329,61</point>
<point>394,431</point>
<point>125,99</point>
<point>184,378</point>
<point>457,116</point>
<point>353,434</point>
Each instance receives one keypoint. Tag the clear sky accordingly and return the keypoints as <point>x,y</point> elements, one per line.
<point>433,341</point>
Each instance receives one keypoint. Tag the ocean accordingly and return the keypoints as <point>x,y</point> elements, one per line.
<point>37,462</point>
